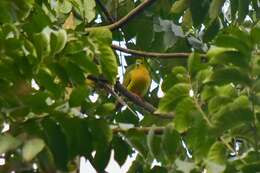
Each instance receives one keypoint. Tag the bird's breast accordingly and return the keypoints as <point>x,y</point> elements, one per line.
<point>141,75</point>
<point>140,81</point>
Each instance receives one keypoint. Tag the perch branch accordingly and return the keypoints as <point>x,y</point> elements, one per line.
<point>126,18</point>
<point>140,102</point>
<point>135,99</point>
<point>153,54</point>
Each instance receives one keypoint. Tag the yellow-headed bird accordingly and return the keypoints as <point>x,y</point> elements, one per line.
<point>137,78</point>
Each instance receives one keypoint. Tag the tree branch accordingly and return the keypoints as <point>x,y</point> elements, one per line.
<point>140,102</point>
<point>154,54</point>
<point>126,18</point>
<point>135,99</point>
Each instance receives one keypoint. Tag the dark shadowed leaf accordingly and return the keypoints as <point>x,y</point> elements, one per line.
<point>121,149</point>
<point>233,114</point>
<point>78,95</point>
<point>171,141</point>
<point>243,7</point>
<point>56,140</point>
<point>199,11</point>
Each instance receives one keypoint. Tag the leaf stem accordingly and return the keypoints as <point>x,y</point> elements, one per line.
<point>205,117</point>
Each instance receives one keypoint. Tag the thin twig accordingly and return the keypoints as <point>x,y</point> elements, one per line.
<point>140,8</point>
<point>154,54</point>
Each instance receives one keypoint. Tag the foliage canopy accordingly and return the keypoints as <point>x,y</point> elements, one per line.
<point>203,54</point>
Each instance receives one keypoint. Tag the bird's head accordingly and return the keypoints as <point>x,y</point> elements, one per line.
<point>139,62</point>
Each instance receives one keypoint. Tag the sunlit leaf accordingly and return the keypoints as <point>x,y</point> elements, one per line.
<point>31,148</point>
<point>8,142</point>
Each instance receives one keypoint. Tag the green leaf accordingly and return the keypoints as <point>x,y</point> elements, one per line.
<point>171,141</point>
<point>255,33</point>
<point>234,8</point>
<point>195,64</point>
<point>64,6</point>
<point>89,10</point>
<point>212,30</point>
<point>14,10</point>
<point>145,35</point>
<point>77,135</point>
<point>127,117</point>
<point>214,167</point>
<point>153,143</point>
<point>179,6</point>
<point>78,96</point>
<point>121,149</point>
<point>185,167</point>
<point>137,139</point>
<point>75,74</point>
<point>215,51</point>
<point>229,41</point>
<point>185,112</point>
<point>173,96</point>
<point>199,11</point>
<point>199,139</point>
<point>101,131</point>
<point>37,102</point>
<point>233,114</point>
<point>84,62</point>
<point>41,43</point>
<point>215,8</point>
<point>230,75</point>
<point>217,153</point>
<point>7,143</point>
<point>105,109</point>
<point>187,19</point>
<point>31,148</point>
<point>221,55</point>
<point>243,8</point>
<point>58,40</point>
<point>108,63</point>
<point>256,8</point>
<point>56,140</point>
<point>179,75</point>
<point>217,102</point>
<point>101,35</point>
<point>102,157</point>
<point>252,167</point>
<point>45,79</point>
<point>38,20</point>
<point>102,39</point>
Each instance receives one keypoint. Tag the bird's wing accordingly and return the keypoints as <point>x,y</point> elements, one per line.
<point>127,76</point>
